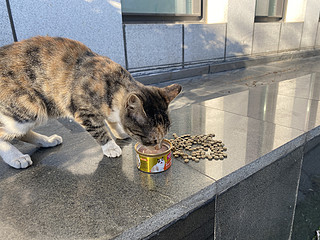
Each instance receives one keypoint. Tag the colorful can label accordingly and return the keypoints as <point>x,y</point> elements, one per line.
<point>154,163</point>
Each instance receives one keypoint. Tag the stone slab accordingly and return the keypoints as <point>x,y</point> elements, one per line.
<point>240,27</point>
<point>72,191</point>
<point>266,37</point>
<point>246,141</point>
<point>6,33</point>
<point>204,42</point>
<point>198,223</point>
<point>81,194</point>
<point>172,75</point>
<point>310,23</point>
<point>287,60</point>
<point>262,206</point>
<point>285,103</point>
<point>84,21</point>
<point>307,213</point>
<point>290,36</point>
<point>318,35</point>
<point>153,44</point>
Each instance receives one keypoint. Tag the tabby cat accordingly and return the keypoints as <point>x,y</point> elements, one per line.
<point>45,77</point>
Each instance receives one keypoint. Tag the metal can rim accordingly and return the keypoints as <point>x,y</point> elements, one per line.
<point>155,154</point>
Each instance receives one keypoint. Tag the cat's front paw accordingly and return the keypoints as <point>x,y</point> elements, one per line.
<point>111,149</point>
<point>23,161</point>
<point>51,141</point>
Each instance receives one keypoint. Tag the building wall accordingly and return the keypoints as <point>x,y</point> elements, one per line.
<point>5,29</point>
<point>139,47</point>
<point>231,34</point>
<point>310,26</point>
<point>96,23</point>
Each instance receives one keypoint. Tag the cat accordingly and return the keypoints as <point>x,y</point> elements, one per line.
<point>52,77</point>
<point>159,167</point>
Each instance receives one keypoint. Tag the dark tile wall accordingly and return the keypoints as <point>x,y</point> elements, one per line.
<point>307,214</point>
<point>197,225</point>
<point>262,206</point>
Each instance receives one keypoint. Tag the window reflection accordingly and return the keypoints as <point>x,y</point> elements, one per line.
<point>254,122</point>
<point>251,123</point>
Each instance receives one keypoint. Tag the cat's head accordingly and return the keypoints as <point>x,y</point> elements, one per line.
<point>145,116</point>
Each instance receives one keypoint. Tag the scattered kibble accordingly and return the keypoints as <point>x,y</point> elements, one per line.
<point>198,147</point>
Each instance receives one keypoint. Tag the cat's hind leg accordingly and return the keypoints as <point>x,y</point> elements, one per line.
<point>12,156</point>
<point>41,140</point>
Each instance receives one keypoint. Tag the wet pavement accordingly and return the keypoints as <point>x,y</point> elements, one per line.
<point>73,192</point>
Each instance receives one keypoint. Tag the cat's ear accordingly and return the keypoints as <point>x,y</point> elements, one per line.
<point>172,91</point>
<point>135,108</point>
<point>133,101</point>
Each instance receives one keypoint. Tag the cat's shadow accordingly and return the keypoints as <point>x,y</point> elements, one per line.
<point>79,153</point>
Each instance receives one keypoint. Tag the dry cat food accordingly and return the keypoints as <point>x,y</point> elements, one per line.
<point>198,147</point>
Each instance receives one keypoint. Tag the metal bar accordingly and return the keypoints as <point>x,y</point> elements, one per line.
<point>14,34</point>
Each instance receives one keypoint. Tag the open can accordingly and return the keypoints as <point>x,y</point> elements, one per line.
<point>154,162</point>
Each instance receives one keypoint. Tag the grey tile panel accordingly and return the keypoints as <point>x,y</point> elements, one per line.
<point>307,214</point>
<point>6,36</point>
<point>290,36</point>
<point>204,41</point>
<point>262,206</point>
<point>153,44</point>
<point>266,37</point>
<point>84,21</point>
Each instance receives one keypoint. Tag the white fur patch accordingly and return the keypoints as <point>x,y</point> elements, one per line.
<point>13,128</point>
<point>111,149</point>
<point>114,116</point>
<point>13,156</point>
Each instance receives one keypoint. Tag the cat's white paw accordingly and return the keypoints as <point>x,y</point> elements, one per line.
<point>111,149</point>
<point>23,161</point>
<point>51,141</point>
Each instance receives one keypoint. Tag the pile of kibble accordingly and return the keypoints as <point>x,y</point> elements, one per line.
<point>198,147</point>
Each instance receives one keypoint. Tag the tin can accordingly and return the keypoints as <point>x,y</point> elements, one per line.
<point>154,163</point>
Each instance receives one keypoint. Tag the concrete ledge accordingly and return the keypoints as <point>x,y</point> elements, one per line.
<point>199,211</point>
<point>161,222</point>
<point>257,183</point>
<point>198,69</point>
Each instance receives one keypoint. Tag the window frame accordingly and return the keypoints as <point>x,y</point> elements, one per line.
<point>260,19</point>
<point>128,18</point>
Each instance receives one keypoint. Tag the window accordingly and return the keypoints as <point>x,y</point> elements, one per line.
<point>269,10</point>
<point>161,10</point>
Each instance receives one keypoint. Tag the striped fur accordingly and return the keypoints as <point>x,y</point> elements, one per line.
<point>45,77</point>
